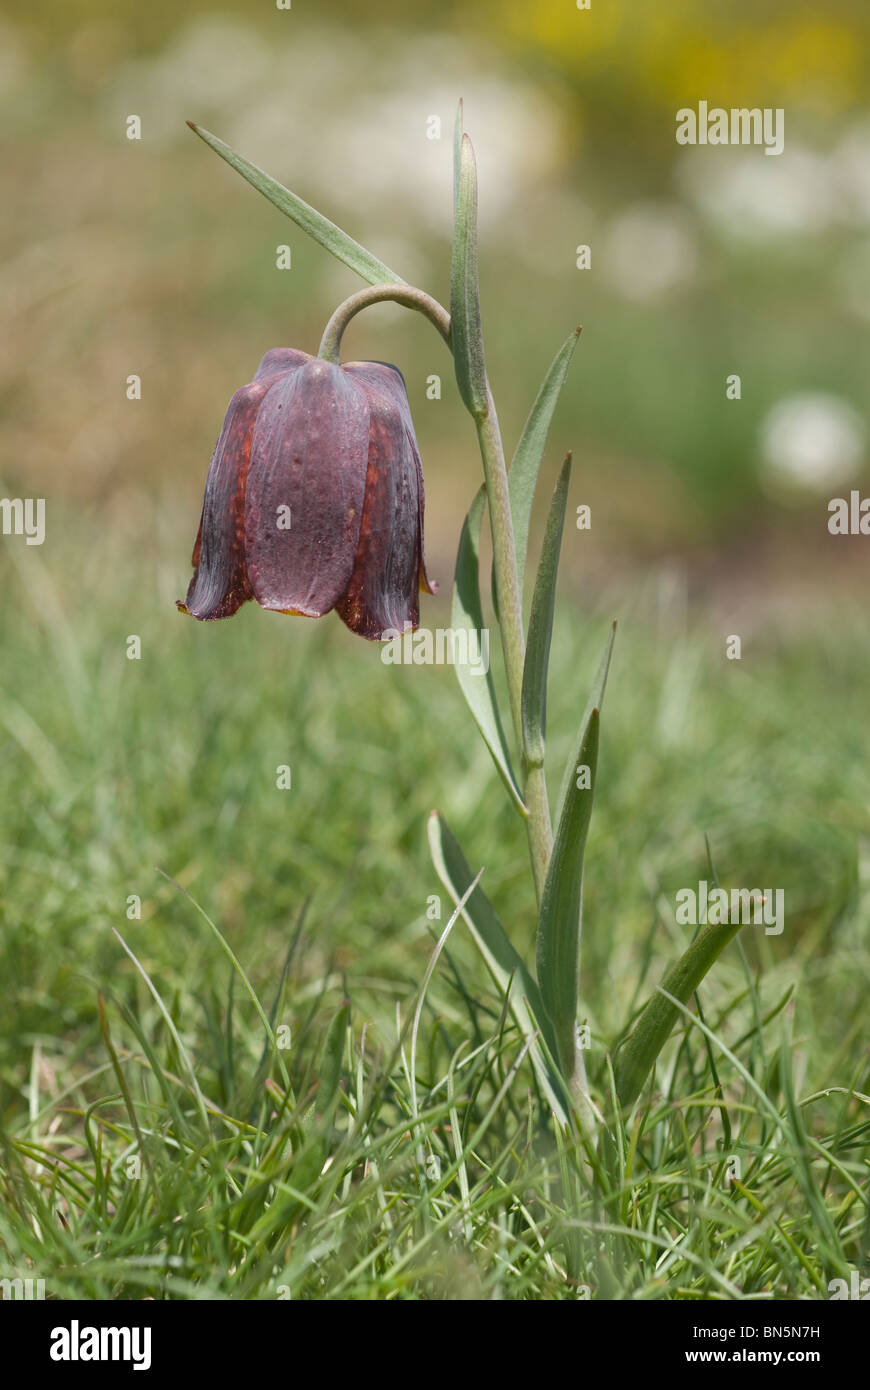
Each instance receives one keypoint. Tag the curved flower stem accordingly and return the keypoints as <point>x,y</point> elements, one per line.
<point>330,343</point>
<point>538,825</point>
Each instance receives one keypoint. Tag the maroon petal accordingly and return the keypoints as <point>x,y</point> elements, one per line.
<point>382,595</point>
<point>308,467</point>
<point>279,360</point>
<point>220,585</point>
<point>424,583</point>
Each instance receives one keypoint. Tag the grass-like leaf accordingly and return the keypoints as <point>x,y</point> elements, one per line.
<point>307,218</point>
<point>559,921</point>
<point>534,703</point>
<point>802,1146</point>
<point>466,329</point>
<point>467,617</point>
<point>331,1061</point>
<point>526,462</point>
<point>505,965</point>
<point>181,1051</point>
<point>457,151</point>
<point>635,1059</point>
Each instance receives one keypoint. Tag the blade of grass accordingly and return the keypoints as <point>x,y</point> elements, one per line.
<point>503,961</point>
<point>122,1084</point>
<point>803,1167</point>
<point>173,1031</point>
<point>237,966</point>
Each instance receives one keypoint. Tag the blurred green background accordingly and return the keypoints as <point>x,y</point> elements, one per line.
<point>709,515</point>
<point>151,257</point>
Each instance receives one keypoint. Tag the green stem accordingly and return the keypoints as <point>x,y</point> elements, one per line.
<point>538,825</point>
<point>510,608</point>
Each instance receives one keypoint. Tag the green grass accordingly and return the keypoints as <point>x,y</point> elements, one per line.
<point>398,1148</point>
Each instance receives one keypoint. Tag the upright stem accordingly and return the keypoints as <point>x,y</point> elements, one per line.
<point>510,606</point>
<point>510,609</point>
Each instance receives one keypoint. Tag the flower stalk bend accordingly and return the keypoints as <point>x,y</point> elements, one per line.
<point>399,293</point>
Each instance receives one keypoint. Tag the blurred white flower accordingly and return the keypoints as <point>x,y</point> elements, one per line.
<point>649,249</point>
<point>811,443</point>
<point>757,199</point>
<point>852,165</point>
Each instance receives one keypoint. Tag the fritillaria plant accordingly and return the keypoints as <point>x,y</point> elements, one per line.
<point>331,447</point>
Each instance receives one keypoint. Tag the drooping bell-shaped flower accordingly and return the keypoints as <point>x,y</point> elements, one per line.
<point>314,498</point>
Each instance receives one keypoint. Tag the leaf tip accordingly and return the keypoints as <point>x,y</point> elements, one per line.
<point>577,331</point>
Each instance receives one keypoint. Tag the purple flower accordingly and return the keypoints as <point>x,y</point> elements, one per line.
<point>314,498</point>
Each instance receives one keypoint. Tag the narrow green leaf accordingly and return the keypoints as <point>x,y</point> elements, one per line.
<point>466,331</point>
<point>526,462</point>
<point>470,639</point>
<point>122,1084</point>
<point>307,218</point>
<point>534,704</point>
<point>181,1050</point>
<point>559,924</point>
<point>331,1061</point>
<point>636,1057</point>
<point>504,963</point>
<point>309,1158</point>
<point>560,918</point>
<point>595,701</point>
<point>803,1168</point>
